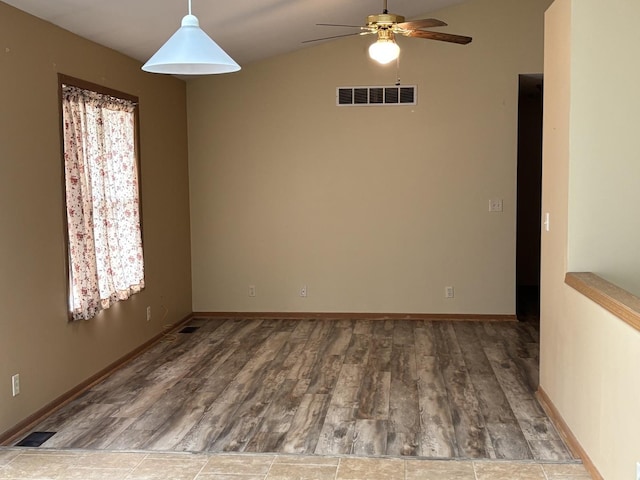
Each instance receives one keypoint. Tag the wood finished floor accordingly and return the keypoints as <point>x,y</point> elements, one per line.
<point>359,387</point>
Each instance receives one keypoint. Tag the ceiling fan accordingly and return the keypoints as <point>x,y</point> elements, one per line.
<point>387,25</point>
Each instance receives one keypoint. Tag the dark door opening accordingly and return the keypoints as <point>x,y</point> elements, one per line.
<point>529,197</point>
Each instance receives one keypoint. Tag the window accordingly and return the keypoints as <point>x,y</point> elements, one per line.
<point>104,238</point>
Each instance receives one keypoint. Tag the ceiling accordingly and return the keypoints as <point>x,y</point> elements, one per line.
<point>248,30</point>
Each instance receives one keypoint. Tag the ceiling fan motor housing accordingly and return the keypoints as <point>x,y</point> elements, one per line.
<point>384,20</point>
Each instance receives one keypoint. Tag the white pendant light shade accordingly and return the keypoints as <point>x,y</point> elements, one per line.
<point>384,50</point>
<point>190,51</point>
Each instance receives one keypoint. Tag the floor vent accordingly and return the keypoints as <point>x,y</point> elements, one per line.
<point>376,96</point>
<point>35,439</point>
<point>189,329</point>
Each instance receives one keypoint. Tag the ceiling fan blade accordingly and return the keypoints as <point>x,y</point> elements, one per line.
<point>443,37</point>
<point>334,36</point>
<point>424,23</point>
<point>337,25</point>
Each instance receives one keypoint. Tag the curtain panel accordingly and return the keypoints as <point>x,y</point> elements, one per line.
<point>106,261</point>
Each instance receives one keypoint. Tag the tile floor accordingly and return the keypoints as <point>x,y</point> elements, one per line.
<point>23,464</point>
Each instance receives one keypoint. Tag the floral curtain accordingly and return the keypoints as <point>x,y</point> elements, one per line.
<point>102,200</point>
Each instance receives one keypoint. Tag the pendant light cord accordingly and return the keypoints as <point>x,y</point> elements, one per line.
<point>189,7</point>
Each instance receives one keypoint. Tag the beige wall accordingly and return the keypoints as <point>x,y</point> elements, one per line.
<point>374,209</point>
<point>603,234</point>
<point>590,360</point>
<point>51,355</point>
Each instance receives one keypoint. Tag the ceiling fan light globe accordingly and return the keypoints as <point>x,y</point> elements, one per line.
<point>384,51</point>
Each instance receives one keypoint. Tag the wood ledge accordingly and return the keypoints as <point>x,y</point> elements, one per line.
<point>612,298</point>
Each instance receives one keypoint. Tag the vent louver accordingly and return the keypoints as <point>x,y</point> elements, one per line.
<point>382,96</point>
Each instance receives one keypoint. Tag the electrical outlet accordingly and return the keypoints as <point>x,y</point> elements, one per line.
<point>303,291</point>
<point>495,205</point>
<point>149,313</point>
<point>15,384</point>
<point>252,290</point>
<point>638,471</point>
<point>448,292</point>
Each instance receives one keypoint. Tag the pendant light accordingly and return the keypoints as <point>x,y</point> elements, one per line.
<point>385,49</point>
<point>190,51</point>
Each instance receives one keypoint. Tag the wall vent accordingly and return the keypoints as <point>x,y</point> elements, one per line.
<point>376,96</point>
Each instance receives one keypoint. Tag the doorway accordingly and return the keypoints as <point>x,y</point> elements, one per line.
<point>529,196</point>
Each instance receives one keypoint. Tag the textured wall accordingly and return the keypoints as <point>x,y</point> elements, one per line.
<point>604,232</point>
<point>589,359</point>
<point>374,209</point>
<point>36,341</point>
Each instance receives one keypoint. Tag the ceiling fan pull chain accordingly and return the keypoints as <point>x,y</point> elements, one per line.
<point>398,71</point>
